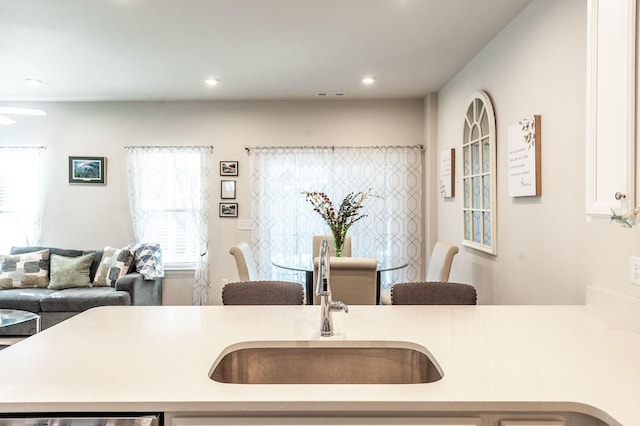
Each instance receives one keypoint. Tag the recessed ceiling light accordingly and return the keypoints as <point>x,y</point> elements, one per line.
<point>211,82</point>
<point>33,81</point>
<point>368,80</point>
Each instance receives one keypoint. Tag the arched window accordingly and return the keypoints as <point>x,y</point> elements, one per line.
<point>479,174</point>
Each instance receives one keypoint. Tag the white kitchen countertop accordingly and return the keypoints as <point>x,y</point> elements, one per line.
<point>494,358</point>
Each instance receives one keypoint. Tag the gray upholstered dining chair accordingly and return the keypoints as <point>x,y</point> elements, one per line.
<point>245,262</point>
<point>440,261</point>
<point>262,293</point>
<point>433,293</point>
<point>352,280</point>
<point>317,239</point>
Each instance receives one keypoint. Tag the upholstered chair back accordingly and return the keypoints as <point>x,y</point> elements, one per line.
<point>433,293</point>
<point>352,280</point>
<point>440,262</point>
<point>317,239</point>
<point>262,293</point>
<point>245,262</point>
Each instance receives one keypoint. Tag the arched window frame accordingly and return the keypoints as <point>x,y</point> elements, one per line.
<point>479,175</point>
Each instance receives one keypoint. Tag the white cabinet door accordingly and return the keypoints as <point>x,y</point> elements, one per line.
<point>326,421</point>
<point>611,113</point>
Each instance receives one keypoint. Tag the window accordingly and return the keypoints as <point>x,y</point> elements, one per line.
<point>284,222</point>
<point>20,196</point>
<point>479,174</point>
<point>165,187</point>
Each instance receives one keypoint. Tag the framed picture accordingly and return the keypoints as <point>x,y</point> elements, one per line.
<point>228,168</point>
<point>524,152</point>
<point>89,170</point>
<point>228,209</point>
<point>228,189</point>
<point>448,173</point>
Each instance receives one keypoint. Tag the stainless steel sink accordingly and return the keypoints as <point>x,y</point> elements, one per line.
<point>333,362</point>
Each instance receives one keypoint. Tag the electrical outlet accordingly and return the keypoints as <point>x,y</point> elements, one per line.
<point>245,225</point>
<point>634,270</point>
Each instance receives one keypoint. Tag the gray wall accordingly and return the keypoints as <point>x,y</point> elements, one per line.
<point>547,252</point>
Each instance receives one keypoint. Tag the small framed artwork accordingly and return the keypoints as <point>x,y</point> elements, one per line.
<point>87,170</point>
<point>228,168</point>
<point>228,189</point>
<point>228,209</point>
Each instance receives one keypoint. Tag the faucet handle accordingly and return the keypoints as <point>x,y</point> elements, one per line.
<point>336,305</point>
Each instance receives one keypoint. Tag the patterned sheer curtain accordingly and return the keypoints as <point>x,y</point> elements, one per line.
<point>21,196</point>
<point>169,200</point>
<point>284,223</point>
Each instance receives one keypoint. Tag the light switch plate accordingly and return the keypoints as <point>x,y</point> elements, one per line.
<point>245,225</point>
<point>634,270</point>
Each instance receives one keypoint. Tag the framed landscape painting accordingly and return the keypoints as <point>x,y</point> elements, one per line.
<point>228,168</point>
<point>87,170</point>
<point>228,209</point>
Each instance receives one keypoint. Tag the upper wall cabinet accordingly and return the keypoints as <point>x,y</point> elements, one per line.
<point>611,94</point>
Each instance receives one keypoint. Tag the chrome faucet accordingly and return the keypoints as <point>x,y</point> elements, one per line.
<point>323,289</point>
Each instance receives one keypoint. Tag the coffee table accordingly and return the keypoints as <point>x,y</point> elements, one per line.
<point>13,316</point>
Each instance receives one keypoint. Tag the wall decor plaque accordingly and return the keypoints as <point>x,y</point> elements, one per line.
<point>524,150</point>
<point>448,173</point>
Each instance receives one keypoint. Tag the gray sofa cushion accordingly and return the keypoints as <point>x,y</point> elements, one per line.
<point>24,299</point>
<point>81,299</point>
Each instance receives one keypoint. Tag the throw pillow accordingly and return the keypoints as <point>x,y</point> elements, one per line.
<point>148,259</point>
<point>114,264</point>
<point>24,270</point>
<point>69,272</point>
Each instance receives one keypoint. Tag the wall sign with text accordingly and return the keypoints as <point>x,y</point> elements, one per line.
<point>525,177</point>
<point>448,173</point>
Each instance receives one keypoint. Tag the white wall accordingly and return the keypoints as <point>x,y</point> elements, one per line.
<point>95,216</point>
<point>547,252</point>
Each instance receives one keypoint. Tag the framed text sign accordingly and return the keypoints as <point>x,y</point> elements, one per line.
<point>448,173</point>
<point>525,179</point>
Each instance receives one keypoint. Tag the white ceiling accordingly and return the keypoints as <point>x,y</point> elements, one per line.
<point>258,49</point>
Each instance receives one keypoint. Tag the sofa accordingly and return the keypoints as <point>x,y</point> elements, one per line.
<point>59,283</point>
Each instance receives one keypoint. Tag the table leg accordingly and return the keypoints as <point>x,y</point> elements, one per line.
<point>309,284</point>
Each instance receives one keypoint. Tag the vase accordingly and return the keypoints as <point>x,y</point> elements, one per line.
<point>339,237</point>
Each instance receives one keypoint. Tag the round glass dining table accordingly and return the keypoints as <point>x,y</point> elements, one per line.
<point>304,263</point>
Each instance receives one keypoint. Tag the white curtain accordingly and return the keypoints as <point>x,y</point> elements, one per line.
<point>169,200</point>
<point>284,222</point>
<point>21,196</point>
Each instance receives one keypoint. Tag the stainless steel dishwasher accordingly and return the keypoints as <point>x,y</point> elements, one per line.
<point>93,419</point>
